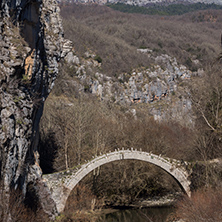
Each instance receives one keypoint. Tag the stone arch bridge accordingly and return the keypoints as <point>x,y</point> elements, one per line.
<point>62,183</point>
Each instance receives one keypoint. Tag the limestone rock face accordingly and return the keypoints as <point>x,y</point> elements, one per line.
<point>31,44</point>
<point>161,85</point>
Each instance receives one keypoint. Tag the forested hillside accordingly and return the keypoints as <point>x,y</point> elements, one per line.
<point>115,36</point>
<point>108,48</point>
<point>172,9</point>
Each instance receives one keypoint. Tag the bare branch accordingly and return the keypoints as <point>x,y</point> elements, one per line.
<point>207,122</point>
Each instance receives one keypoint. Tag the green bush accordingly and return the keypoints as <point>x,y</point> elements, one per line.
<point>98,59</point>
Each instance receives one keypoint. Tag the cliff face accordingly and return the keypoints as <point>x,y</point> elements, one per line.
<point>161,86</point>
<point>31,44</point>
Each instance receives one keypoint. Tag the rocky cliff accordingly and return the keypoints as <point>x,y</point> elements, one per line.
<point>31,45</point>
<point>161,87</point>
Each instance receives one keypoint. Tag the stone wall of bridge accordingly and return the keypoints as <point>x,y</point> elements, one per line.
<point>62,183</point>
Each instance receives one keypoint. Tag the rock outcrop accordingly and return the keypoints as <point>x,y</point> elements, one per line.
<point>161,85</point>
<point>31,44</point>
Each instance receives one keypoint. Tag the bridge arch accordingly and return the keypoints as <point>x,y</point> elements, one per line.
<point>62,183</point>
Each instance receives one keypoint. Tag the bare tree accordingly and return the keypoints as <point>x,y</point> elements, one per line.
<point>206,95</point>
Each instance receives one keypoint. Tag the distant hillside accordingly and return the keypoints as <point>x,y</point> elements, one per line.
<point>172,9</point>
<point>144,2</point>
<point>116,36</point>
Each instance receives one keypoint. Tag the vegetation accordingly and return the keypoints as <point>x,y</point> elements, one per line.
<point>172,9</point>
<point>116,36</point>
<point>82,205</point>
<point>205,205</point>
<point>206,96</point>
<point>76,125</point>
<point>21,208</point>
<point>90,127</point>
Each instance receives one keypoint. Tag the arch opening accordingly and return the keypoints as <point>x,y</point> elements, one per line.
<point>123,183</point>
<point>171,166</point>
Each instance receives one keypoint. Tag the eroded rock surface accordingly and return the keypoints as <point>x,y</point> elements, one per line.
<point>31,44</point>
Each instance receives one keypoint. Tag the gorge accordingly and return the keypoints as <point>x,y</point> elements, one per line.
<point>104,100</point>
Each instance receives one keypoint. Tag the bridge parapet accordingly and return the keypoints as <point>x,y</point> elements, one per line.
<point>62,183</point>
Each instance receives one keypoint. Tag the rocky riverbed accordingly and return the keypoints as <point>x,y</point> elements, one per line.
<point>163,201</point>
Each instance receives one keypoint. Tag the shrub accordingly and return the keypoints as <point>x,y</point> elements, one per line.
<point>205,205</point>
<point>98,59</point>
<point>18,210</point>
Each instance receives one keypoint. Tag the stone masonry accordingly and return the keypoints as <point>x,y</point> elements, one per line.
<point>62,183</point>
